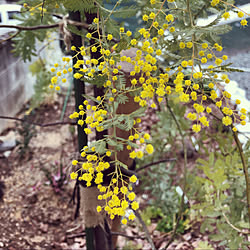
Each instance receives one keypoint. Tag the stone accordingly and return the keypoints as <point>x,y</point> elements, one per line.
<point>7,145</point>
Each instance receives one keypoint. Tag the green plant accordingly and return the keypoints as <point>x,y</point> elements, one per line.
<point>165,221</point>
<point>219,198</point>
<point>26,132</point>
<point>204,245</point>
<point>41,86</point>
<point>164,201</point>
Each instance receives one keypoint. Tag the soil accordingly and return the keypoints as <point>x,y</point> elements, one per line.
<point>34,215</point>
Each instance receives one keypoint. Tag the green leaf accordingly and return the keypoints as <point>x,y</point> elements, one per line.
<point>216,237</point>
<point>123,44</point>
<point>100,147</point>
<point>126,12</point>
<point>111,142</point>
<point>36,66</point>
<point>83,5</point>
<point>206,226</point>
<point>134,145</point>
<point>75,30</point>
<point>211,159</point>
<point>122,99</point>
<point>122,164</point>
<point>138,113</point>
<point>203,162</point>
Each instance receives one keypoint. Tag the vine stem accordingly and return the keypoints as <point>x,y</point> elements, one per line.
<point>184,176</point>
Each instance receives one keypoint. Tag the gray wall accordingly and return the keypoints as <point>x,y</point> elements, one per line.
<point>15,83</point>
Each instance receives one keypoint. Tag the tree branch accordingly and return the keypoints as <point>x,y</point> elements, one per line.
<point>37,124</point>
<point>154,163</point>
<point>48,26</point>
<point>78,24</point>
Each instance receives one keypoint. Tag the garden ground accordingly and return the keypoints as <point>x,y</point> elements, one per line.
<point>36,214</point>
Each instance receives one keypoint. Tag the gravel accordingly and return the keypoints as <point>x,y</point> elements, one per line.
<point>241,60</point>
<point>239,86</point>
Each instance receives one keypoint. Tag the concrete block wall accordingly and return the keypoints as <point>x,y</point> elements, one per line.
<point>16,83</point>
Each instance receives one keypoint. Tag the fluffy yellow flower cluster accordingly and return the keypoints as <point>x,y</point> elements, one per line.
<point>93,116</point>
<point>92,167</point>
<point>148,84</point>
<point>118,195</point>
<point>136,138</point>
<point>206,74</point>
<point>226,14</point>
<point>60,74</point>
<point>38,9</point>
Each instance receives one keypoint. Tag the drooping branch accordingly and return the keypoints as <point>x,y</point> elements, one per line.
<point>239,147</point>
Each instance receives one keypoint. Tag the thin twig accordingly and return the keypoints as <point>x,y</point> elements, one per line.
<point>148,237</point>
<point>73,229</point>
<point>83,234</point>
<point>10,37</point>
<point>245,168</point>
<point>71,236</point>
<point>154,163</point>
<point>128,236</point>
<point>232,226</point>
<point>38,124</point>
<point>184,177</point>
